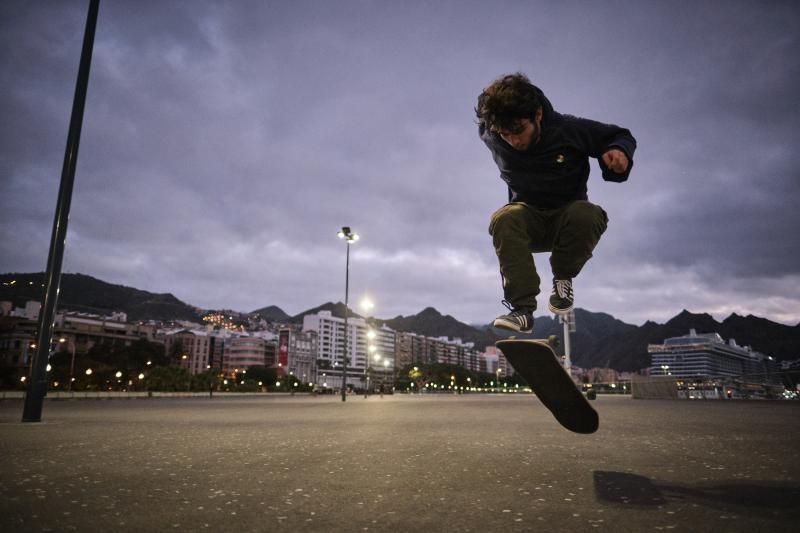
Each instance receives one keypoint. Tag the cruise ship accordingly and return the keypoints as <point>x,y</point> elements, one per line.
<point>706,357</point>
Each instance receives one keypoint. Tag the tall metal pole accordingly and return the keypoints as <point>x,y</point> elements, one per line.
<point>346,293</point>
<point>567,346</point>
<point>71,366</point>
<point>37,384</point>
<point>569,327</point>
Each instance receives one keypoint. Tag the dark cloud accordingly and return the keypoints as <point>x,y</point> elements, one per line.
<point>225,143</point>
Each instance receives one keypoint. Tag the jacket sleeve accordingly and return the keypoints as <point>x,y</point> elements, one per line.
<point>597,138</point>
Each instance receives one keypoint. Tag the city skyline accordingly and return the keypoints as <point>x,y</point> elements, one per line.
<point>225,145</point>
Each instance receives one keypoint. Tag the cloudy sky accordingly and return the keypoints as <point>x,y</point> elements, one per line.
<point>225,144</point>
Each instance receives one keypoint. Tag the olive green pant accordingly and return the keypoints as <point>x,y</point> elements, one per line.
<point>570,233</point>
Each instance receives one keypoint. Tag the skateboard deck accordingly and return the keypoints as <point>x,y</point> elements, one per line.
<point>536,361</point>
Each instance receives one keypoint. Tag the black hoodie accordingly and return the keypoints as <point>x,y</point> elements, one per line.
<point>553,172</point>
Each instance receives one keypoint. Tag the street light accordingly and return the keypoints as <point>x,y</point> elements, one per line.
<point>383,377</point>
<point>367,306</point>
<point>71,345</point>
<point>349,237</point>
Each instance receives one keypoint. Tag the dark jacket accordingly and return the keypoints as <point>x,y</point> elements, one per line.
<point>554,171</point>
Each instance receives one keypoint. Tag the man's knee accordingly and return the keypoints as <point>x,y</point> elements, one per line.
<point>586,215</point>
<point>510,215</point>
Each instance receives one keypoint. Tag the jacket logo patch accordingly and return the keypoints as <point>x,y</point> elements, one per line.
<point>560,158</point>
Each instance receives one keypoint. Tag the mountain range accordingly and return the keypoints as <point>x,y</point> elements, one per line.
<point>600,340</point>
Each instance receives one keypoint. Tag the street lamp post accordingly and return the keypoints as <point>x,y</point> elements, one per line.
<point>71,344</point>
<point>37,386</point>
<point>383,377</point>
<point>366,306</point>
<point>349,237</point>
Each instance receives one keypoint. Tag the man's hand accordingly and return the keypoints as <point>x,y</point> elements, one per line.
<point>616,161</point>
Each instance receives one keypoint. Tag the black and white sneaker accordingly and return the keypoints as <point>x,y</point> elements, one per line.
<point>561,299</point>
<point>520,319</point>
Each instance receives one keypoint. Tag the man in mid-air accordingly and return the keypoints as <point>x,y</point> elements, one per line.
<point>543,156</point>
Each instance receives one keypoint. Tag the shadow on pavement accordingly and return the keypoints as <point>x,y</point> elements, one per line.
<point>633,489</point>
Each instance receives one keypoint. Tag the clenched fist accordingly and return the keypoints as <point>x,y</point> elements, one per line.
<point>616,161</point>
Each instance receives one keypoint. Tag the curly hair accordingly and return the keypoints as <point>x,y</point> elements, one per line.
<point>506,101</point>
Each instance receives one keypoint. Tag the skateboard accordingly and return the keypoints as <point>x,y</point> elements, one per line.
<point>536,361</point>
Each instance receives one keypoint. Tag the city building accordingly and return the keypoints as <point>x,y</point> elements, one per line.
<point>496,363</point>
<point>17,343</point>
<point>30,311</point>
<point>243,351</point>
<point>190,349</point>
<point>216,346</point>
<point>86,330</point>
<point>297,354</point>
<point>72,332</point>
<point>415,349</point>
<point>363,361</point>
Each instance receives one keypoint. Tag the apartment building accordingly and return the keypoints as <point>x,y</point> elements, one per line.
<point>242,352</point>
<point>368,349</point>
<point>297,353</point>
<point>190,349</point>
<point>17,341</point>
<point>412,348</point>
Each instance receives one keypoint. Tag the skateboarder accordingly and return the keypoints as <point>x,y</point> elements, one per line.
<point>543,156</point>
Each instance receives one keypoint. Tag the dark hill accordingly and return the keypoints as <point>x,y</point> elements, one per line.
<point>82,293</point>
<point>432,323</point>
<point>337,309</point>
<point>272,313</point>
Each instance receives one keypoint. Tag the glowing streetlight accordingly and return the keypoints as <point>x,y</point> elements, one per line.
<point>367,305</point>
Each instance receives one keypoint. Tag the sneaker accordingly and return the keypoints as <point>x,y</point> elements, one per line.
<point>561,299</point>
<point>520,320</point>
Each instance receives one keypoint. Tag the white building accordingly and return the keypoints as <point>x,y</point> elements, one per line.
<point>30,311</point>
<point>331,349</point>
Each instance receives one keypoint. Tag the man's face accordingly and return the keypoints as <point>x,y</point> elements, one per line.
<point>525,134</point>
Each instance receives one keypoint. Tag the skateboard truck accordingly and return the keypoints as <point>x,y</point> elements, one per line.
<point>552,341</point>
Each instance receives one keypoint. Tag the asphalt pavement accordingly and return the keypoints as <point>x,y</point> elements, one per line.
<point>398,463</point>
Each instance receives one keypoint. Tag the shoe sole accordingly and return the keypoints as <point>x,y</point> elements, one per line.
<point>511,326</point>
<point>559,311</point>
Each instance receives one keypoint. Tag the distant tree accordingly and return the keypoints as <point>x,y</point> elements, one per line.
<point>176,351</point>
<point>267,376</point>
<point>168,378</point>
<point>205,381</point>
